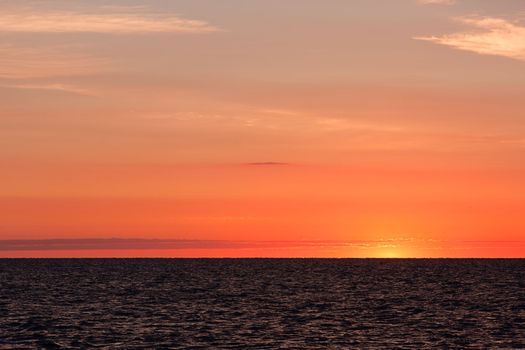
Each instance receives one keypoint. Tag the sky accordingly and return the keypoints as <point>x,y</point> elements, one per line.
<point>276,128</point>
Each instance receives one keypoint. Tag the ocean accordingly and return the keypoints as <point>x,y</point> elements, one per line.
<point>262,304</point>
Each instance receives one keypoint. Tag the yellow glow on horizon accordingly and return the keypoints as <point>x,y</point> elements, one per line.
<point>390,252</point>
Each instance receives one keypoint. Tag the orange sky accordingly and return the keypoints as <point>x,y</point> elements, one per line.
<point>334,128</point>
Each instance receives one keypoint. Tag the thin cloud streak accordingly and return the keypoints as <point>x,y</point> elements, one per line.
<point>170,244</point>
<point>181,244</point>
<point>40,62</point>
<point>495,36</point>
<point>53,87</point>
<point>112,23</point>
<point>161,244</point>
<point>110,244</point>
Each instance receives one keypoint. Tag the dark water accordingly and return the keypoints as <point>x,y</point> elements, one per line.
<point>262,304</point>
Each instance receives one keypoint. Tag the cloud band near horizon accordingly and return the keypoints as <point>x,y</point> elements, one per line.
<point>106,23</point>
<point>180,244</point>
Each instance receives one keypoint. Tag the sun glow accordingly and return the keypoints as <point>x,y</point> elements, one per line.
<point>390,252</point>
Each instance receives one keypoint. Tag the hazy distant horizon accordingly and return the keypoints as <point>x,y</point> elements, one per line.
<point>119,247</point>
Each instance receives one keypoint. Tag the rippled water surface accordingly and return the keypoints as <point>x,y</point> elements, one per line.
<point>262,304</point>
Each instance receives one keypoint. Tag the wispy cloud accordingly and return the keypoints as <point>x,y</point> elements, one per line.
<point>112,23</point>
<point>58,87</point>
<point>493,36</point>
<point>38,62</point>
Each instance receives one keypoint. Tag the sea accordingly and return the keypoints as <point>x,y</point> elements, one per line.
<point>262,304</point>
